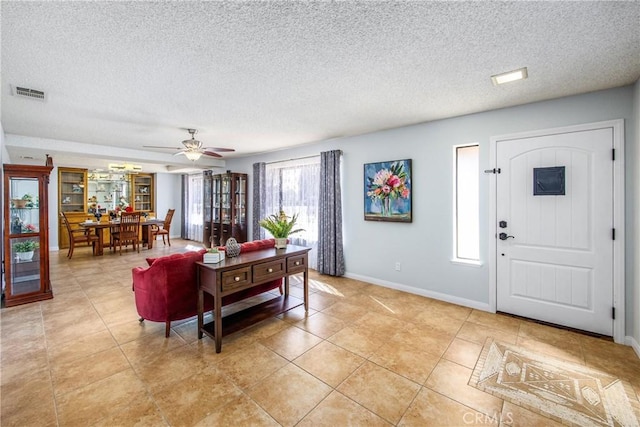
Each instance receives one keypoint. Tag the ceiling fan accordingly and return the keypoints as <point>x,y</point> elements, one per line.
<point>193,148</point>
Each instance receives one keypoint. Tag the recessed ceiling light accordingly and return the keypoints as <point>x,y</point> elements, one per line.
<point>509,76</point>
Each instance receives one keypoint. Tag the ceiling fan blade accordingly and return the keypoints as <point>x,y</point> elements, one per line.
<point>221,150</point>
<point>157,146</point>
<point>211,153</point>
<point>180,152</point>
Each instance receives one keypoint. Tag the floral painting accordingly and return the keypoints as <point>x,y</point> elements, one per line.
<point>387,191</point>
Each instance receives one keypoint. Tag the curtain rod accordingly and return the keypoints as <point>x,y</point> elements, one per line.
<point>288,160</point>
<point>297,158</point>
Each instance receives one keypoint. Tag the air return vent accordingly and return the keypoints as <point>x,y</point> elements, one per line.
<point>25,92</point>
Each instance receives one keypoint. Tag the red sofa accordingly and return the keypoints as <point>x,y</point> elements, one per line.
<point>166,290</point>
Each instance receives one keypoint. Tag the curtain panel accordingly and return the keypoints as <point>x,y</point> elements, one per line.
<point>292,186</point>
<point>259,199</point>
<point>330,248</point>
<point>184,183</point>
<point>192,228</point>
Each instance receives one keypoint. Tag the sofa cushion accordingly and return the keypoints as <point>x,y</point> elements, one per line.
<point>254,245</point>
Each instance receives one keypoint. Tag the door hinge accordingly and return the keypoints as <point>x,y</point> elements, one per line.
<point>613,313</point>
<point>613,154</point>
<point>613,234</point>
<point>494,170</point>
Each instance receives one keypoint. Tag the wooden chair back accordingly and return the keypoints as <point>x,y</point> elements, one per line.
<point>65,221</point>
<point>77,235</point>
<point>167,219</point>
<point>129,225</point>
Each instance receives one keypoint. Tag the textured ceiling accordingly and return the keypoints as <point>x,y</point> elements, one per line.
<point>259,76</point>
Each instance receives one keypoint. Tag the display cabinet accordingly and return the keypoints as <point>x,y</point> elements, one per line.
<point>224,208</point>
<point>142,192</point>
<point>26,234</point>
<point>106,191</point>
<point>72,200</point>
<point>72,189</point>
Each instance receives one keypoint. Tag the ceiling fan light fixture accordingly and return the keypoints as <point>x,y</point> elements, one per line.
<point>509,76</point>
<point>192,155</point>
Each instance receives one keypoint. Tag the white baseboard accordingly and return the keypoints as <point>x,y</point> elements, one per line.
<point>422,292</point>
<point>630,341</point>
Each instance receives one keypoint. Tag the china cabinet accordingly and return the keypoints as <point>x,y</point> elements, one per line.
<point>142,192</point>
<point>82,192</point>
<point>225,208</point>
<point>26,234</point>
<point>72,189</point>
<point>72,200</point>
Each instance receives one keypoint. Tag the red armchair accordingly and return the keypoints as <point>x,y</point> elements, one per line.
<point>167,290</point>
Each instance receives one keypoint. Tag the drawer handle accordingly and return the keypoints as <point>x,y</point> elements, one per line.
<point>237,279</point>
<point>297,263</point>
<point>269,270</point>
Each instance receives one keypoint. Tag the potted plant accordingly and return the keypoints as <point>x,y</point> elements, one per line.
<point>24,249</point>
<point>280,227</point>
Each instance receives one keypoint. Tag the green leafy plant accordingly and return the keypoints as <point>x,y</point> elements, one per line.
<point>26,246</point>
<point>280,226</point>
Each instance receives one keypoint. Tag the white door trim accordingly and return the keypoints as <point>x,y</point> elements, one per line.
<point>618,213</point>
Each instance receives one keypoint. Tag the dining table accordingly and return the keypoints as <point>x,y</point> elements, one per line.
<point>98,226</point>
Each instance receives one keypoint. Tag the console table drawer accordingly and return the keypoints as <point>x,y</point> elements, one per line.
<point>296,264</point>
<point>237,278</point>
<point>269,270</point>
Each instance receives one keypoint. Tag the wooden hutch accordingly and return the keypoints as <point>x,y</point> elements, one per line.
<point>82,192</point>
<point>224,208</point>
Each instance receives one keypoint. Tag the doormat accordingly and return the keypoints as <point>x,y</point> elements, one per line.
<point>569,393</point>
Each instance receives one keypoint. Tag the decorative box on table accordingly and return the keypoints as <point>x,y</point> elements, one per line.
<point>213,256</point>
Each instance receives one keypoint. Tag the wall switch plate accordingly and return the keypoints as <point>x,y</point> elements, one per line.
<point>397,265</point>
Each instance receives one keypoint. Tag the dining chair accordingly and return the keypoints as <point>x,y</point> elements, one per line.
<point>78,235</point>
<point>164,228</point>
<point>128,231</point>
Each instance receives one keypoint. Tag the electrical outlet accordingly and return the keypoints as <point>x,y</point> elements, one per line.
<point>397,265</point>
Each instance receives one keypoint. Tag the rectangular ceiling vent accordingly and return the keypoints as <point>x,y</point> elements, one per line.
<point>25,92</point>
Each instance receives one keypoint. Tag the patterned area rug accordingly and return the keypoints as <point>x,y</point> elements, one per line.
<point>567,392</point>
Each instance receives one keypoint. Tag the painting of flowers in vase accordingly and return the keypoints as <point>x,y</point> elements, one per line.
<point>387,191</point>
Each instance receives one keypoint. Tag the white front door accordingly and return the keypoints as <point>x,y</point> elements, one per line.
<point>558,265</point>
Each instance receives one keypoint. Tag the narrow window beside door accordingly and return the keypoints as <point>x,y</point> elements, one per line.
<point>466,199</point>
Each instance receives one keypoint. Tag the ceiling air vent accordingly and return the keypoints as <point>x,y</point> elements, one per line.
<point>25,92</point>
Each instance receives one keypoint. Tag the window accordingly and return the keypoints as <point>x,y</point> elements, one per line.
<point>193,208</point>
<point>293,186</point>
<point>466,199</point>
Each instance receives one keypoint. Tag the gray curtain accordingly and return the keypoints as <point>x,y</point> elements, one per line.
<point>330,252</point>
<point>259,198</point>
<point>183,205</point>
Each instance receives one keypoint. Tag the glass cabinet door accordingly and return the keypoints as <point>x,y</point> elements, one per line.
<point>72,189</point>
<point>225,199</point>
<point>240,199</point>
<point>25,234</point>
<point>143,189</point>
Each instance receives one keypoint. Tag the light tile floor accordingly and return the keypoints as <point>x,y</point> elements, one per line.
<point>364,355</point>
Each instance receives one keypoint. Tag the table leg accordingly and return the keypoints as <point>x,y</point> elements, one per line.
<point>218,321</point>
<point>200,313</point>
<point>100,245</point>
<point>286,286</point>
<point>149,237</point>
<point>306,289</point>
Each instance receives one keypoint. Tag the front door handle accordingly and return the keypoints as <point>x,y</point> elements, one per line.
<point>503,236</point>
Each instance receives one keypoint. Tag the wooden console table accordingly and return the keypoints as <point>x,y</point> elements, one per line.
<point>243,272</point>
